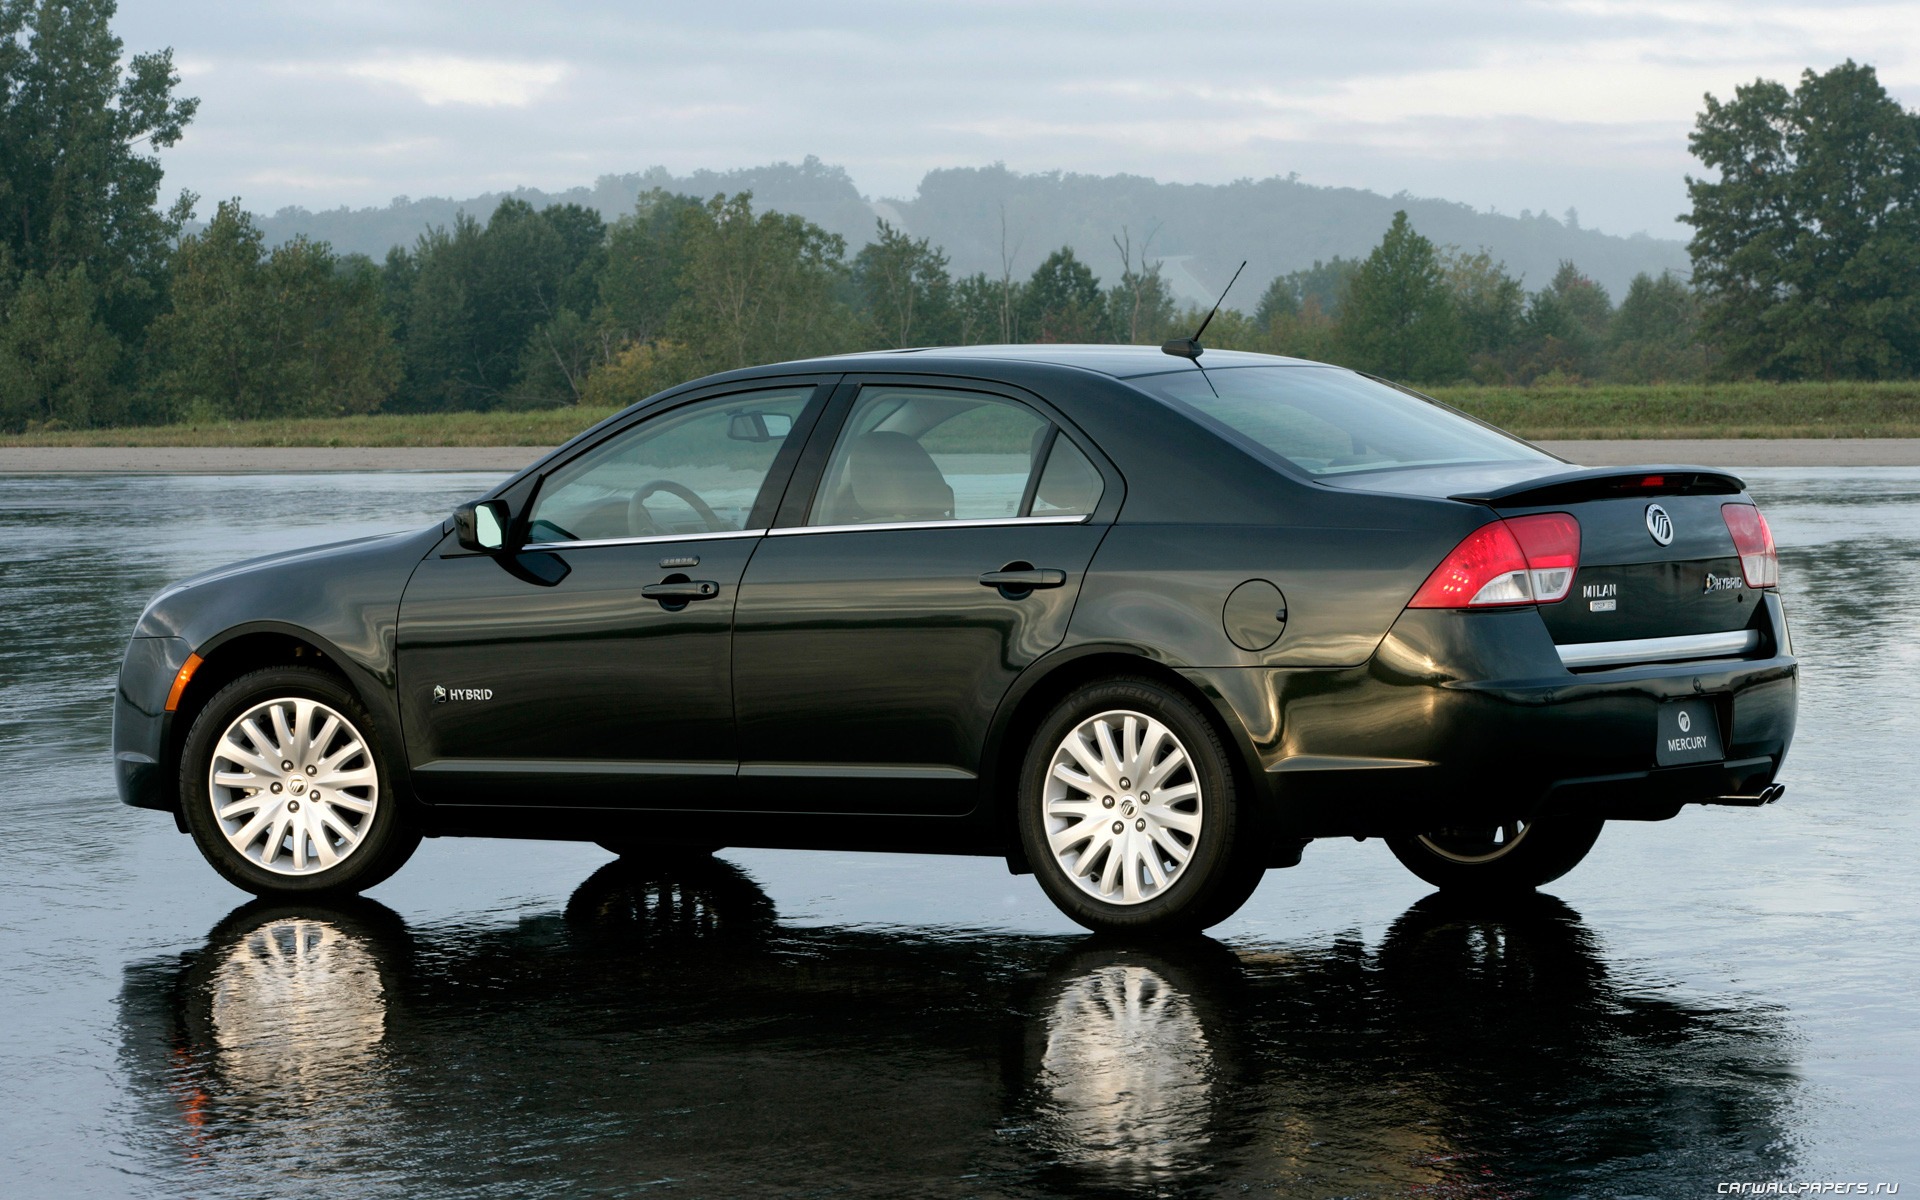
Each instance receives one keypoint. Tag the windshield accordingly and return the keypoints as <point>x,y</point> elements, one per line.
<point>1327,421</point>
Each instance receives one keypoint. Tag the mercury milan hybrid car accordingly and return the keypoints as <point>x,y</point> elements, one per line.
<point>1142,627</point>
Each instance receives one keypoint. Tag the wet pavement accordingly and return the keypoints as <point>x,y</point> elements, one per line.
<point>1727,997</point>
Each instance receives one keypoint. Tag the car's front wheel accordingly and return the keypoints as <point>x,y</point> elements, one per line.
<point>1517,855</point>
<point>285,790</point>
<point>1129,814</point>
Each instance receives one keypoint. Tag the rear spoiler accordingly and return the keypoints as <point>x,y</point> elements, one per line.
<point>1606,483</point>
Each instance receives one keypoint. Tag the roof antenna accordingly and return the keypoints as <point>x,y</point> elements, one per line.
<point>1190,347</point>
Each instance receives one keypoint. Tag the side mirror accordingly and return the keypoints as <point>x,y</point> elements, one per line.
<point>481,525</point>
<point>758,426</point>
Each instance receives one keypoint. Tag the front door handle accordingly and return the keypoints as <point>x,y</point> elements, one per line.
<point>681,590</point>
<point>1026,580</point>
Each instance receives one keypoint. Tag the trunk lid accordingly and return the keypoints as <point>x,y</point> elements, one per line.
<point>1629,586</point>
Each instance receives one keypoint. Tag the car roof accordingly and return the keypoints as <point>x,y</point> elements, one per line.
<point>1120,362</point>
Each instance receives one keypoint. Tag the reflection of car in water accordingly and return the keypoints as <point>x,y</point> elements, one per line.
<point>669,1027</point>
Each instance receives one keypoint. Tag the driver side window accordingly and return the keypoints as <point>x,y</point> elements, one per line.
<point>694,470</point>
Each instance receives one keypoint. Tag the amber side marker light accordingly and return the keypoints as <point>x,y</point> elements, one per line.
<point>180,681</point>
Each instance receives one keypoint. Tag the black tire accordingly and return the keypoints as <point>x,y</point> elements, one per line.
<point>389,834</point>
<point>1225,861</point>
<point>1474,861</point>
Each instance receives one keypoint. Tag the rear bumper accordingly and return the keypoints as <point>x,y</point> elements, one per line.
<point>141,724</point>
<point>1470,717</point>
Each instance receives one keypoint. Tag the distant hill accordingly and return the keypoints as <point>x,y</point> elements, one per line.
<point>1204,230</point>
<point>822,194</point>
<point>1201,231</point>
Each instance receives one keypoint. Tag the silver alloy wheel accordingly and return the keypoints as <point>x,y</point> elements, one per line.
<point>1481,845</point>
<point>293,786</point>
<point>1122,807</point>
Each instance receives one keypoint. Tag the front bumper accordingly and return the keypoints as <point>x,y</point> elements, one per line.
<point>141,725</point>
<point>1470,718</point>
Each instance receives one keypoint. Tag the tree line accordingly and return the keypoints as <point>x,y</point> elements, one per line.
<point>1806,260</point>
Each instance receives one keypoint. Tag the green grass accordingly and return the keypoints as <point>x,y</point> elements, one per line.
<point>1716,410</point>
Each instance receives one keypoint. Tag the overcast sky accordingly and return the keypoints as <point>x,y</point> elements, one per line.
<point>1582,104</point>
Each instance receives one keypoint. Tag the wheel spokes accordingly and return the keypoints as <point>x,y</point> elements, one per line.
<point>1073,778</point>
<point>328,729</point>
<point>1109,753</point>
<point>1087,758</point>
<point>233,752</point>
<point>1166,841</point>
<point>247,834</point>
<point>283,738</point>
<point>283,818</point>
<point>1122,808</point>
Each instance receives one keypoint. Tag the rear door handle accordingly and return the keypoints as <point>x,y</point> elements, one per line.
<point>684,589</point>
<point>1025,581</point>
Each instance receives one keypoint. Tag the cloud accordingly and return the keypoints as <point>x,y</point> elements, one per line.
<point>439,79</point>
<point>1540,104</point>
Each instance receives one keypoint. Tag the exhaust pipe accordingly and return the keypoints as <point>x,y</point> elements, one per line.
<point>1766,795</point>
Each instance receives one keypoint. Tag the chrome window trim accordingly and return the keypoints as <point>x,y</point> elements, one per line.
<point>647,541</point>
<point>1653,650</point>
<point>795,530</point>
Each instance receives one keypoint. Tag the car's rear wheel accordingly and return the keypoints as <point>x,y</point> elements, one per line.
<point>1517,855</point>
<point>286,791</point>
<point>1129,814</point>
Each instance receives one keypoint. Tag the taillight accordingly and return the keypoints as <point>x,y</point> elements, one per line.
<point>1551,542</point>
<point>1751,537</point>
<point>1519,560</point>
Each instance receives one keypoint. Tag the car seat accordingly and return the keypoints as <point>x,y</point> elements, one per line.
<point>888,476</point>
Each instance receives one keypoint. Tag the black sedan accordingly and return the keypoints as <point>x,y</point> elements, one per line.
<point>1144,625</point>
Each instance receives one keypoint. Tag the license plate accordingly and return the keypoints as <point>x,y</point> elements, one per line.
<point>1688,731</point>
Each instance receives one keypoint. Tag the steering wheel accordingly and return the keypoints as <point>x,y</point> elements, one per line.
<point>640,522</point>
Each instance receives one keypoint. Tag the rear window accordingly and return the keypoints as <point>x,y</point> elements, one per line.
<point>1326,421</point>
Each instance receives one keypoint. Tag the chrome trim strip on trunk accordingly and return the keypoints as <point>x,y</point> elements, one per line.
<point>1666,649</point>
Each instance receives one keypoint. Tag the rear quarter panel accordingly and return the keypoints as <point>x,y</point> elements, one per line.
<point>1203,515</point>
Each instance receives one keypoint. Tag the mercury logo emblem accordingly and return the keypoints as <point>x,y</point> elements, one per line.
<point>1660,525</point>
<point>1686,720</point>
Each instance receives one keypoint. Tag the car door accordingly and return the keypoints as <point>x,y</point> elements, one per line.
<point>594,666</point>
<point>917,567</point>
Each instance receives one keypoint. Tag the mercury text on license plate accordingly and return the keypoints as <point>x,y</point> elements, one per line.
<point>1688,732</point>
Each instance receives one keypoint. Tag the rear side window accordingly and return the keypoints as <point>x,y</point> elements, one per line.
<point>940,454</point>
<point>1069,484</point>
<point>1326,421</point>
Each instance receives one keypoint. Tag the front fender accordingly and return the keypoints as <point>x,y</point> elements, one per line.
<point>344,600</point>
